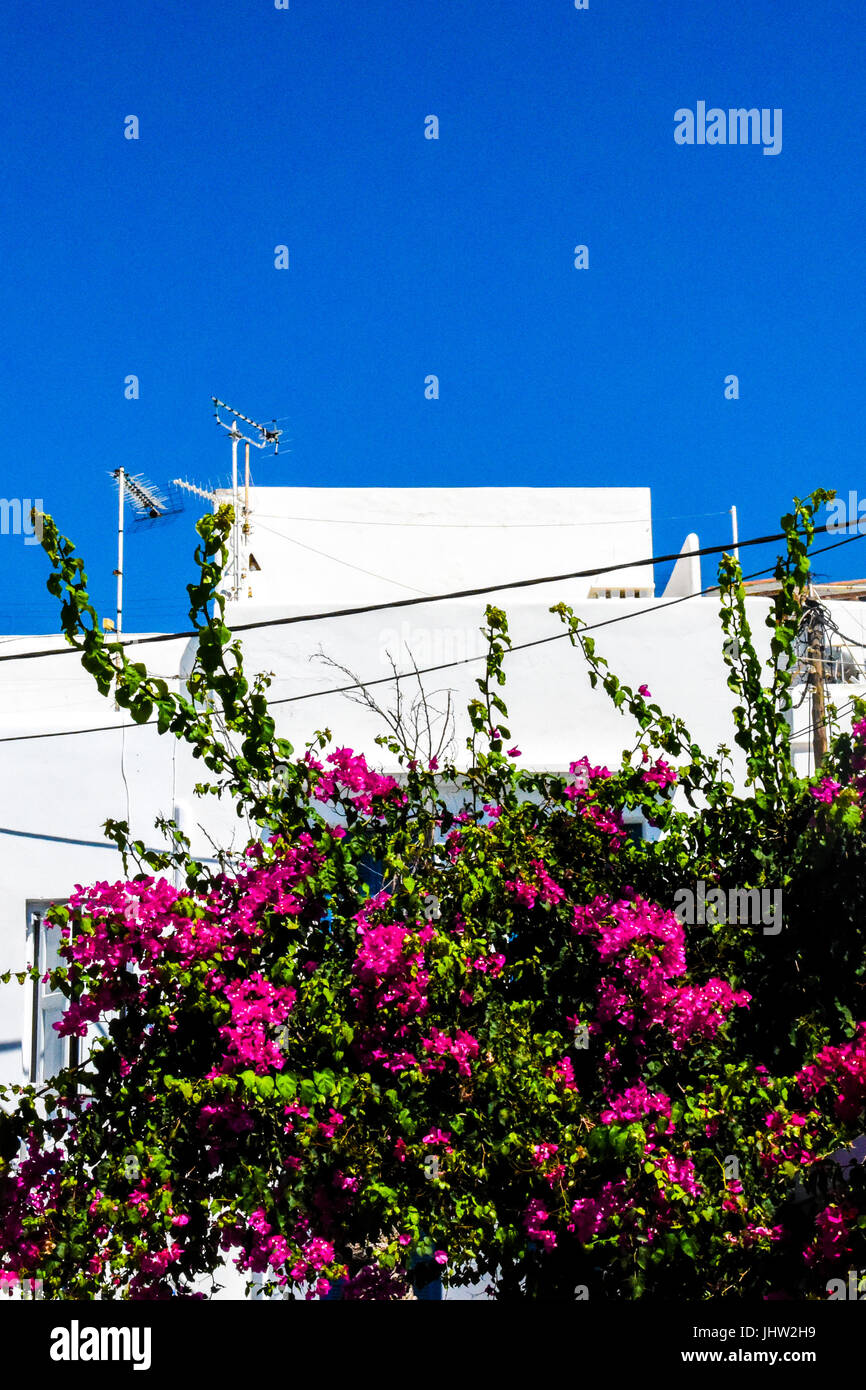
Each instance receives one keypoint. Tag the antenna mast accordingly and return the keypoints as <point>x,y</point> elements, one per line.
<point>267,434</point>
<point>145,502</point>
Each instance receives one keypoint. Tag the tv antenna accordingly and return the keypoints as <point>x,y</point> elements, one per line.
<point>148,504</point>
<point>267,435</point>
<point>204,492</point>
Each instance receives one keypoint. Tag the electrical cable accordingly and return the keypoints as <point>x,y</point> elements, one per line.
<point>123,770</point>
<point>427,670</point>
<point>441,598</point>
<point>800,733</point>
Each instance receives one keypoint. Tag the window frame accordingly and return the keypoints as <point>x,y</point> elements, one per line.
<point>42,1001</point>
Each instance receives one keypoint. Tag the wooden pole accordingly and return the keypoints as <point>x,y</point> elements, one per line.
<point>816,676</point>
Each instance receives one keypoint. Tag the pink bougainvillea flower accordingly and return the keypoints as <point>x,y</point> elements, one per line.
<point>437,1136</point>
<point>330,1126</point>
<point>525,893</point>
<point>542,1152</point>
<point>826,791</point>
<point>634,1104</point>
<point>660,773</point>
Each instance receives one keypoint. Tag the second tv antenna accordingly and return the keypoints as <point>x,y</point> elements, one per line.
<point>267,435</point>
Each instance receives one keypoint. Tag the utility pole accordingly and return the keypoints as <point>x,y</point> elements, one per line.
<point>815,650</point>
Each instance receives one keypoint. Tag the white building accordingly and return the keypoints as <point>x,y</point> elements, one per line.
<point>71,760</point>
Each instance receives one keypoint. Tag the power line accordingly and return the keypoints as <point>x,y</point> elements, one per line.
<point>800,733</point>
<point>426,670</point>
<point>850,641</point>
<point>437,598</point>
<point>538,641</point>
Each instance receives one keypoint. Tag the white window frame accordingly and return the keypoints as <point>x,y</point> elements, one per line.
<point>44,1006</point>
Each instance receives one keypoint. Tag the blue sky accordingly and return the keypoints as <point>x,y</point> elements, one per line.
<point>408,256</point>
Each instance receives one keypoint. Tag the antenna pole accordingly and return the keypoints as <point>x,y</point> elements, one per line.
<point>267,436</point>
<point>246,540</point>
<point>145,501</point>
<point>121,491</point>
<point>735,534</point>
<point>236,577</point>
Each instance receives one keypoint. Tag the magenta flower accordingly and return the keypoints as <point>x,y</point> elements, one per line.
<point>826,791</point>
<point>525,893</point>
<point>329,1128</point>
<point>536,1214</point>
<point>661,773</point>
<point>542,1152</point>
<point>635,1103</point>
<point>437,1136</point>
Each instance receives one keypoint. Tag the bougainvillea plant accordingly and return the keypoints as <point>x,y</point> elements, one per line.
<point>512,1061</point>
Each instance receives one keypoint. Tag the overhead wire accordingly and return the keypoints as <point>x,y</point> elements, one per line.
<point>475,592</point>
<point>537,642</point>
<point>426,670</point>
<point>808,729</point>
